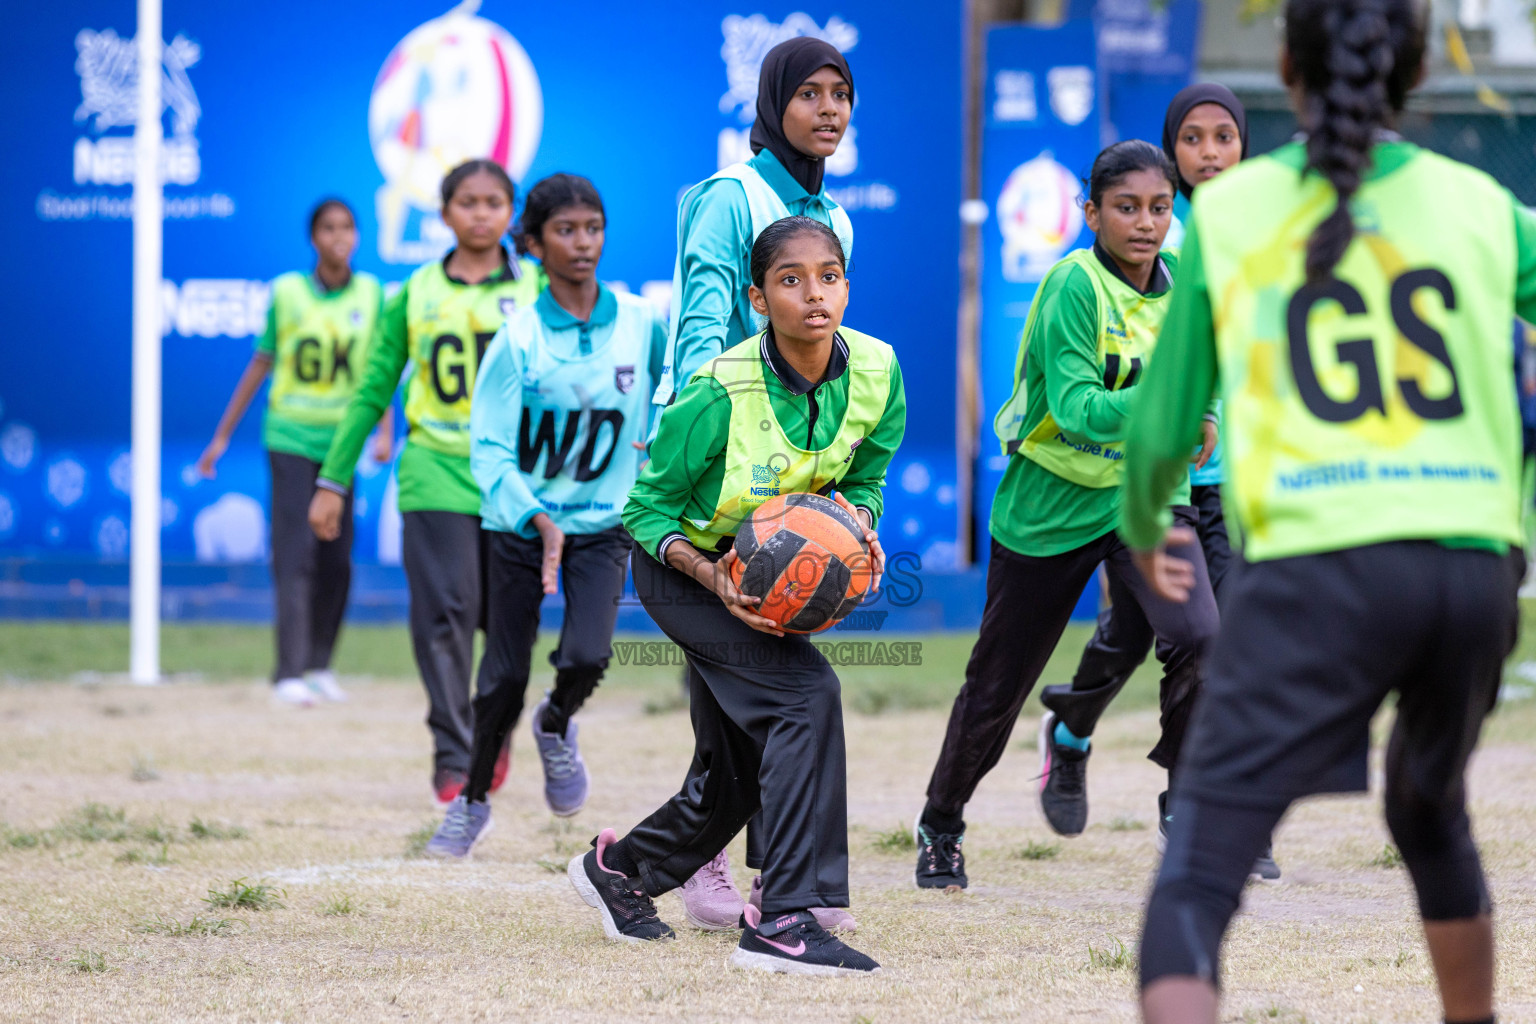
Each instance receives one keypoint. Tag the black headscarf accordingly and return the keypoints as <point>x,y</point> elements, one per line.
<point>784,68</point>
<point>1190,98</point>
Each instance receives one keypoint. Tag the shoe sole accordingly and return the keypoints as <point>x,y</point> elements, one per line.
<point>567,813</point>
<point>705,926</point>
<point>446,855</point>
<point>576,871</point>
<point>750,961</point>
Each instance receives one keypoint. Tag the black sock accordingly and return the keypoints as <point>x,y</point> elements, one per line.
<point>1490,1019</point>
<point>618,858</point>
<point>556,719</point>
<point>944,824</point>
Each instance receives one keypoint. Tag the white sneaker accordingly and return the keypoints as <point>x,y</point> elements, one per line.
<point>295,692</point>
<point>323,681</point>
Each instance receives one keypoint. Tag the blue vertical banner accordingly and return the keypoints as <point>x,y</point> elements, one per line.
<point>1146,55</point>
<point>1040,135</point>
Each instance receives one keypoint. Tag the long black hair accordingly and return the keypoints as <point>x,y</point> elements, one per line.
<point>1112,165</point>
<point>547,197</point>
<point>1355,60</point>
<point>454,178</point>
<point>766,249</point>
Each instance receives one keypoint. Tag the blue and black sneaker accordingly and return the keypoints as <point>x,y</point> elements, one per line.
<point>940,862</point>
<point>462,827</point>
<point>565,773</point>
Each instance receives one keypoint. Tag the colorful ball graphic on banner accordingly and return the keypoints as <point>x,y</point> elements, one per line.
<point>456,88</point>
<point>1039,216</point>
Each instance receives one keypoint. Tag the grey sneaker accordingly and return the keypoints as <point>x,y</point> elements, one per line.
<point>565,773</point>
<point>462,827</point>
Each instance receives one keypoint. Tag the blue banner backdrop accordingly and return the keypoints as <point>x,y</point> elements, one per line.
<point>269,107</point>
<point>1041,133</point>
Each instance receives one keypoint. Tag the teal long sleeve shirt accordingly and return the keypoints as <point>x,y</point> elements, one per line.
<point>715,248</point>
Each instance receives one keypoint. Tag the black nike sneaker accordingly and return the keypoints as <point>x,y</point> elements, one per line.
<point>795,944</point>
<point>628,913</point>
<point>940,862</point>
<point>1063,782</point>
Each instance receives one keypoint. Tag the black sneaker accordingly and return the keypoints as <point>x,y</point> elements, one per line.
<point>1063,782</point>
<point>1265,869</point>
<point>795,944</point>
<point>940,862</point>
<point>628,913</point>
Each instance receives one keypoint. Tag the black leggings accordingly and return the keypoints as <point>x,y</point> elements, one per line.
<point>1310,648</point>
<point>592,568</point>
<point>1029,601</point>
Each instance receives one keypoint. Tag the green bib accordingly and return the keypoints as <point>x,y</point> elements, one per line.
<point>1128,327</point>
<point>1380,404</point>
<point>761,462</point>
<point>320,346</point>
<point>449,326</point>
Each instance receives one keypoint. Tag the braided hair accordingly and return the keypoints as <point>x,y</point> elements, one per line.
<point>1355,60</point>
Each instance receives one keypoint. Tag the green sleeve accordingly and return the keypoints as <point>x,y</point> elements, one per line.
<point>1525,262</point>
<point>691,434</point>
<point>864,483</point>
<point>1067,343</point>
<point>387,355</point>
<point>1171,399</point>
<point>266,345</point>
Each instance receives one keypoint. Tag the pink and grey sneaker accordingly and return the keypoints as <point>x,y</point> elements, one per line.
<point>795,944</point>
<point>628,913</point>
<point>711,900</point>
<point>833,919</point>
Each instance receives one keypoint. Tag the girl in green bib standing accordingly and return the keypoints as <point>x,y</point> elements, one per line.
<point>319,325</point>
<point>1091,332</point>
<point>442,319</point>
<point>767,707</point>
<point>1352,294</point>
<point>804,101</point>
<point>1204,133</point>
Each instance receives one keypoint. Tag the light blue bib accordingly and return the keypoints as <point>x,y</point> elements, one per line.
<point>764,207</point>
<point>582,415</point>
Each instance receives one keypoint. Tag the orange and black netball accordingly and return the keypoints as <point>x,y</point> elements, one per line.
<point>805,556</point>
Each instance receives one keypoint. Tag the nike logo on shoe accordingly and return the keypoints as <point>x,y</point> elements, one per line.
<point>796,950</point>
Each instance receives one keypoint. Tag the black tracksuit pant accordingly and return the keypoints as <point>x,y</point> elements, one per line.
<point>592,568</point>
<point>768,730</point>
<point>1029,602</point>
<point>310,576</point>
<point>1124,636</point>
<point>443,553</point>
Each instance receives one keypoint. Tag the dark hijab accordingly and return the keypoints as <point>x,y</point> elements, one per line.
<point>784,68</point>
<point>1190,98</point>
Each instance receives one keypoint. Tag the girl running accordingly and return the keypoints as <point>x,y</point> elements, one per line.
<point>1204,133</point>
<point>1092,328</point>
<point>1353,295</point>
<point>804,100</point>
<point>561,403</point>
<point>442,319</point>
<point>318,328</point>
<point>770,735</point>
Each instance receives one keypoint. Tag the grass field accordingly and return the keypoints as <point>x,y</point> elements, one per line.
<point>189,852</point>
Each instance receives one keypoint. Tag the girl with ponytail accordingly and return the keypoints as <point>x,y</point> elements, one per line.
<point>1353,295</point>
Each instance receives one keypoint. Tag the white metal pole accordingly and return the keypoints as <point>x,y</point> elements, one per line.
<point>144,549</point>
